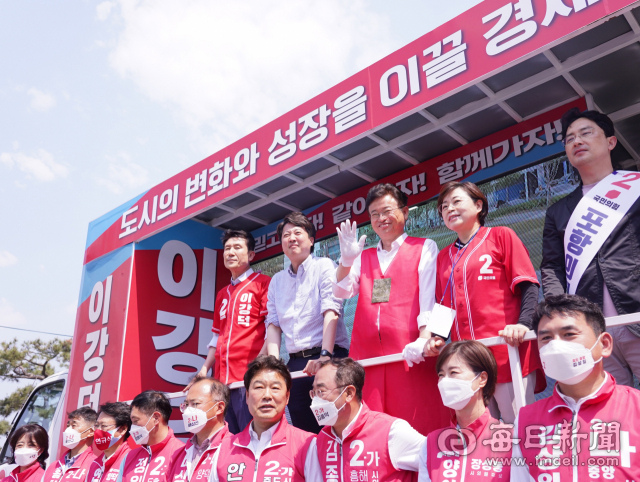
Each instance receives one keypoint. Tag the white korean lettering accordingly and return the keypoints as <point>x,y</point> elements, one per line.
<point>350,109</point>
<point>504,41</point>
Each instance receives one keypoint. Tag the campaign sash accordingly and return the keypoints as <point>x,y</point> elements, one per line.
<point>594,219</point>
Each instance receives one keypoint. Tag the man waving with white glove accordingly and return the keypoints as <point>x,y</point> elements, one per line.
<point>396,287</point>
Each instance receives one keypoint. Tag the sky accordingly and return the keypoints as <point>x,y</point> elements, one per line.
<point>100,101</point>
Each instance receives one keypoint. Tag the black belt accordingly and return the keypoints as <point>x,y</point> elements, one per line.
<point>308,353</point>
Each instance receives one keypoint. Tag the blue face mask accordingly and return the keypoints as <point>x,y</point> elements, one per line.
<point>104,439</point>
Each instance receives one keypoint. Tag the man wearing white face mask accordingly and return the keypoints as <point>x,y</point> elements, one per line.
<point>597,433</point>
<point>78,438</point>
<point>150,412</point>
<point>203,413</point>
<point>354,438</point>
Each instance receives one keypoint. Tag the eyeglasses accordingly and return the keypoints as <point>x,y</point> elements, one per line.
<point>185,405</point>
<point>583,134</point>
<point>103,427</point>
<point>383,215</point>
<point>322,392</point>
<point>448,207</point>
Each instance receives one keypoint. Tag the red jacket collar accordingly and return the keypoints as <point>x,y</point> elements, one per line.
<point>363,416</point>
<point>477,426</point>
<point>79,461</point>
<point>21,476</point>
<point>280,435</point>
<point>107,464</point>
<point>216,440</point>
<point>160,445</point>
<point>604,393</point>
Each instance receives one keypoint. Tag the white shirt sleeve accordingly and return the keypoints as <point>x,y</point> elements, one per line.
<point>350,284</point>
<point>272,314</point>
<point>213,475</point>
<point>214,341</point>
<point>404,446</point>
<point>312,470</point>
<point>519,473</point>
<point>427,280</point>
<point>423,473</point>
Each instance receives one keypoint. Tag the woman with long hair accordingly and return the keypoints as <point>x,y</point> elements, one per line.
<point>30,447</point>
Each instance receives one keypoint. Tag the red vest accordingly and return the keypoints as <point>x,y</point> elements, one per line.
<point>283,459</point>
<point>107,471</point>
<point>32,474</point>
<point>395,388</point>
<point>605,445</point>
<point>447,457</point>
<point>363,455</point>
<point>150,463</point>
<point>56,472</point>
<point>181,464</point>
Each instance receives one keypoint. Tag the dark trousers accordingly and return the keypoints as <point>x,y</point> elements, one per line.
<point>299,401</point>
<point>238,416</point>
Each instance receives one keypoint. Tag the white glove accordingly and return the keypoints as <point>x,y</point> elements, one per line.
<point>412,353</point>
<point>350,247</point>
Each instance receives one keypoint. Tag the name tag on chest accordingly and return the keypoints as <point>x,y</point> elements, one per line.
<point>381,290</point>
<point>441,320</point>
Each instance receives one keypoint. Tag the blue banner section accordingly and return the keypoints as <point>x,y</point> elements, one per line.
<point>100,225</point>
<point>196,235</point>
<point>273,226</point>
<point>99,269</point>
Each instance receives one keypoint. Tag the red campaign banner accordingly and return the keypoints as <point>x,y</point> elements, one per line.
<point>97,342</point>
<point>483,159</point>
<point>478,42</point>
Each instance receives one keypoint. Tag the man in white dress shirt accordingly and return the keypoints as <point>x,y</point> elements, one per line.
<point>301,306</point>
<point>396,286</point>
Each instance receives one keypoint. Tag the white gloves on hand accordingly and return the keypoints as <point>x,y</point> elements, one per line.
<point>350,247</point>
<point>412,353</point>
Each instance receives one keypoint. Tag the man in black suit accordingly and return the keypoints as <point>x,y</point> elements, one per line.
<point>612,278</point>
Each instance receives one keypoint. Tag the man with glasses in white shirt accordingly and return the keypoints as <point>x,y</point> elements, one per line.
<point>301,305</point>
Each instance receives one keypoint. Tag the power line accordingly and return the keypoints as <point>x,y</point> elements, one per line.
<point>35,331</point>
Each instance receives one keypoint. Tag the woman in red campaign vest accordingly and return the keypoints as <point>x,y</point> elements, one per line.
<point>487,278</point>
<point>474,446</point>
<point>30,447</point>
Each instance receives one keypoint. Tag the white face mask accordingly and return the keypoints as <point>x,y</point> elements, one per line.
<point>456,393</point>
<point>71,437</point>
<point>26,456</point>
<point>566,361</point>
<point>195,419</point>
<point>140,433</point>
<point>325,411</point>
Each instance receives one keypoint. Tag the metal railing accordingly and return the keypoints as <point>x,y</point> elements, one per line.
<point>514,361</point>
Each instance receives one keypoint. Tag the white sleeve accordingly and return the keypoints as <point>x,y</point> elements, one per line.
<point>312,470</point>
<point>427,280</point>
<point>214,341</point>
<point>213,475</point>
<point>519,473</point>
<point>272,312</point>
<point>404,446</point>
<point>423,473</point>
<point>350,285</point>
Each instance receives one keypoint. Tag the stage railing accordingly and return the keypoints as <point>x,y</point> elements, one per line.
<point>514,360</point>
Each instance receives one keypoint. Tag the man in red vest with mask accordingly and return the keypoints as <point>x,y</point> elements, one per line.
<point>396,286</point>
<point>357,443</point>
<point>588,428</point>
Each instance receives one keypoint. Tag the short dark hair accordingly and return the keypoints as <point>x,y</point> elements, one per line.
<point>120,412</point>
<point>472,191</point>
<point>239,233</point>
<point>152,401</point>
<point>382,190</point>
<point>267,363</point>
<point>219,391</point>
<point>570,305</point>
<point>300,220</point>
<point>38,435</point>
<point>87,414</point>
<point>602,120</point>
<point>349,372</point>
<point>478,357</point>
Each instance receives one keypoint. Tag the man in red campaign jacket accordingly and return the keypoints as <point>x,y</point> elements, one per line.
<point>357,443</point>
<point>268,449</point>
<point>238,323</point>
<point>150,412</point>
<point>78,438</point>
<point>588,428</point>
<point>110,437</point>
<point>203,413</point>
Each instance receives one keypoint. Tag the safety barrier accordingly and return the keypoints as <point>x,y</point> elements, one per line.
<point>514,360</point>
